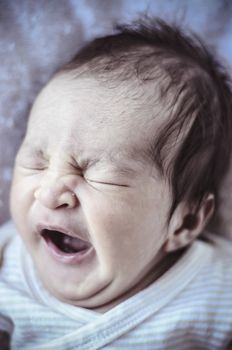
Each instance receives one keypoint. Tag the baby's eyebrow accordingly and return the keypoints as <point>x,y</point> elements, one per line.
<point>31,151</point>
<point>133,163</point>
<point>124,170</point>
<point>115,165</point>
<point>123,163</point>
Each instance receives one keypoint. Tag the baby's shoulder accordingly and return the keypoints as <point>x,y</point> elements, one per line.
<point>212,285</point>
<point>222,244</point>
<point>221,256</point>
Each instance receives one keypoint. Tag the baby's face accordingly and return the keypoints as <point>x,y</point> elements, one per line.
<point>91,209</point>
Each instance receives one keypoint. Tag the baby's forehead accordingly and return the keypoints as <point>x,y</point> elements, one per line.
<point>113,103</point>
<point>116,117</point>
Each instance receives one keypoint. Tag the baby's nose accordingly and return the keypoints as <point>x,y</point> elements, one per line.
<point>56,196</point>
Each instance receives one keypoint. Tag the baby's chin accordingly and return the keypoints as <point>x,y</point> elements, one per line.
<point>99,296</point>
<point>98,303</point>
<point>97,293</point>
<point>97,300</point>
<point>89,295</point>
<point>108,294</point>
<point>89,303</point>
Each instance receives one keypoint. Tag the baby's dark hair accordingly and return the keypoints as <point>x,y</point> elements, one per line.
<point>193,86</point>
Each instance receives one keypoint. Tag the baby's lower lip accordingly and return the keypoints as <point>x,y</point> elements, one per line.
<point>81,257</point>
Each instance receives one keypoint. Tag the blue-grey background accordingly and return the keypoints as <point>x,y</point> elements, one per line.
<point>38,36</point>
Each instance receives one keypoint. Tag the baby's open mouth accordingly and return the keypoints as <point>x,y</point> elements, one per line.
<point>65,243</point>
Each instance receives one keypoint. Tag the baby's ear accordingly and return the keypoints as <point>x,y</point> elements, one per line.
<point>185,224</point>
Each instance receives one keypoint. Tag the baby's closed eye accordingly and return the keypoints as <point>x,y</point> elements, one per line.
<point>31,158</point>
<point>109,183</point>
<point>31,162</point>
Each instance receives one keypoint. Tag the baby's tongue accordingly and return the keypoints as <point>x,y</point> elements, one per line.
<point>74,244</point>
<point>66,243</point>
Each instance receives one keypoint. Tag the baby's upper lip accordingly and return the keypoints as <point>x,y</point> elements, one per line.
<point>63,229</point>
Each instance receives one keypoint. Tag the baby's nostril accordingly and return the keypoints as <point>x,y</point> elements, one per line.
<point>65,205</point>
<point>67,199</point>
<point>56,196</point>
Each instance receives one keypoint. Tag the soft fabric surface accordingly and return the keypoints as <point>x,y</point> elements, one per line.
<point>37,37</point>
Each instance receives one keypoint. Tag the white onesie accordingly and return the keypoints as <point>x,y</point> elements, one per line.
<point>189,307</point>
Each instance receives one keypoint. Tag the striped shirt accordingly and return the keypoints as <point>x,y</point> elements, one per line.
<point>189,307</point>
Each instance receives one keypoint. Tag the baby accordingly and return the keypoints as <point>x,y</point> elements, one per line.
<point>115,180</point>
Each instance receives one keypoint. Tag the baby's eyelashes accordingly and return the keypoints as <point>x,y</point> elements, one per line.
<point>31,159</point>
<point>108,183</point>
<point>31,164</point>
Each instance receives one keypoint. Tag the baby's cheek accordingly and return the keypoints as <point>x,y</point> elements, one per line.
<point>21,200</point>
